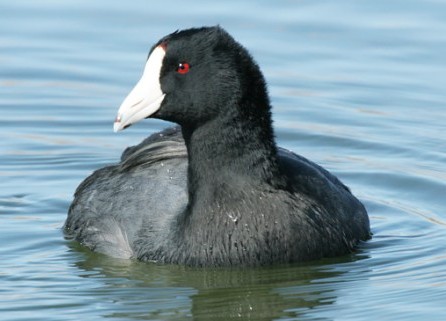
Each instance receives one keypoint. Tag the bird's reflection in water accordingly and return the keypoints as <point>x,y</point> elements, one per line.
<point>147,290</point>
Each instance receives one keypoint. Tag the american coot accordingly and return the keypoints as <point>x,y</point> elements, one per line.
<point>215,191</point>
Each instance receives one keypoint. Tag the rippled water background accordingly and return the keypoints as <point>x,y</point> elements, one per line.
<point>357,86</point>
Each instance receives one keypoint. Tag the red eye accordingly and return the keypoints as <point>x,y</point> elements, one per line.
<point>183,68</point>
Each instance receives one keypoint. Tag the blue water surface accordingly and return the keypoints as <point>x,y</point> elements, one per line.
<point>357,86</point>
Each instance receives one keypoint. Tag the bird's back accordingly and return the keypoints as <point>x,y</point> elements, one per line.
<point>118,204</point>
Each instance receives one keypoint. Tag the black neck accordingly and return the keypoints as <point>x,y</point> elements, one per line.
<point>227,153</point>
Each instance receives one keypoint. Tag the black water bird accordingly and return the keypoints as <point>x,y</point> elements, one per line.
<point>216,190</point>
